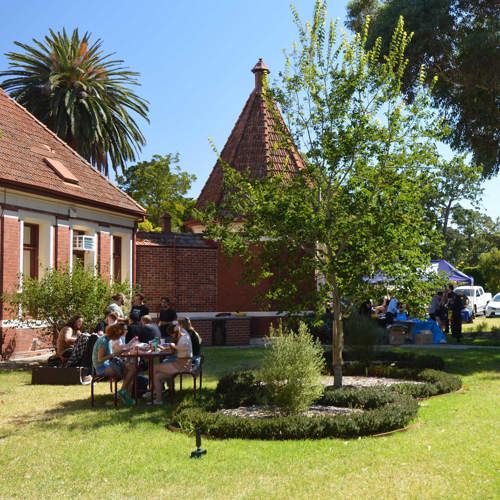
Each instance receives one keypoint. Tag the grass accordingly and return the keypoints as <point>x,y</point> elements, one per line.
<point>481,324</point>
<point>52,444</point>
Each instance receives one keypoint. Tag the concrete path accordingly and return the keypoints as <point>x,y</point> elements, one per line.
<point>457,347</point>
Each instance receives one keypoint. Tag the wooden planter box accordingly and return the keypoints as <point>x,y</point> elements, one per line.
<point>424,337</point>
<point>48,375</point>
<point>398,335</point>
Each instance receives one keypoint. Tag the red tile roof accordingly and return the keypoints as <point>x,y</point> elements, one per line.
<point>256,143</point>
<point>27,150</point>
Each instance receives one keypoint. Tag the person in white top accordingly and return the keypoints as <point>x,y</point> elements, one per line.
<point>184,351</point>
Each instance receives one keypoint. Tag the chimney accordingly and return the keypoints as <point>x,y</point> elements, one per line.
<point>260,70</point>
<point>167,224</point>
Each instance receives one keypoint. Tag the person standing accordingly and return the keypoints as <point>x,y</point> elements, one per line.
<point>139,306</point>
<point>434,306</point>
<point>167,317</point>
<point>117,305</point>
<point>455,305</point>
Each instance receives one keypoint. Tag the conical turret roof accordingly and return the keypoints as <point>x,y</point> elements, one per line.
<point>260,143</point>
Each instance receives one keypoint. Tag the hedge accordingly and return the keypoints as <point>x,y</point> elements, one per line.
<point>384,408</point>
<point>399,359</point>
<point>395,412</point>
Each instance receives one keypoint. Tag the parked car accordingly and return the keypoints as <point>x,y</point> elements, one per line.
<point>493,307</point>
<point>477,298</point>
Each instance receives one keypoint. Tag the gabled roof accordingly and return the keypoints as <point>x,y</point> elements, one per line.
<point>256,144</point>
<point>34,159</point>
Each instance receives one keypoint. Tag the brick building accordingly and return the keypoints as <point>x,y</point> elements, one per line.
<point>54,208</point>
<point>194,271</point>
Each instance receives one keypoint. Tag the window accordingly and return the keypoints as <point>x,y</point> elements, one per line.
<point>79,254</point>
<point>30,250</point>
<point>117,258</point>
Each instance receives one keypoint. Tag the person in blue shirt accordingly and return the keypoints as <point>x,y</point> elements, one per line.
<point>402,314</point>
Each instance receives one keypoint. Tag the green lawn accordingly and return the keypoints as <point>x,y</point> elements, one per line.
<point>52,444</point>
<point>482,324</point>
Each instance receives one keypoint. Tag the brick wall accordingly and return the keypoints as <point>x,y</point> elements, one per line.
<point>185,275</point>
<point>104,254</point>
<point>62,246</point>
<point>237,331</point>
<point>10,258</point>
<point>232,293</point>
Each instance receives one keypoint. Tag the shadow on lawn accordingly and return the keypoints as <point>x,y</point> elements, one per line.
<point>81,416</point>
<point>470,361</point>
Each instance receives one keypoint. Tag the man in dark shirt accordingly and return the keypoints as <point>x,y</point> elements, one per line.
<point>167,316</point>
<point>139,306</point>
<point>150,330</point>
<point>134,327</point>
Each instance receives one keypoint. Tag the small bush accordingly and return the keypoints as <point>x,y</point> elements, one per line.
<point>361,335</point>
<point>292,368</point>
<point>240,389</point>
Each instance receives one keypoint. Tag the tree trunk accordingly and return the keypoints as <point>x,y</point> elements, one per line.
<point>337,343</point>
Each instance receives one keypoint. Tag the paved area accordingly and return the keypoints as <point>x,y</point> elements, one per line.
<point>457,347</point>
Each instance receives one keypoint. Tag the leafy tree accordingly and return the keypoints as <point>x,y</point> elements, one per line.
<point>81,94</point>
<point>489,265</point>
<point>455,181</point>
<point>160,185</point>
<point>471,234</point>
<point>357,206</point>
<point>457,40</point>
<point>60,294</point>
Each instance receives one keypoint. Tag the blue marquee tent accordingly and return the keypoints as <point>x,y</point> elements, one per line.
<point>443,266</point>
<point>437,266</point>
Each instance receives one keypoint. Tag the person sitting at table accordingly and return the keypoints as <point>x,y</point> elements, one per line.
<point>150,329</point>
<point>391,311</point>
<point>402,314</point>
<point>106,364</point>
<point>134,328</point>
<point>110,319</point>
<point>182,362</point>
<point>68,335</point>
<point>382,307</point>
<point>366,308</point>
<point>185,324</point>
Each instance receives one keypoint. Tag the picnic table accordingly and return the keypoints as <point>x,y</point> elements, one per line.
<point>151,356</point>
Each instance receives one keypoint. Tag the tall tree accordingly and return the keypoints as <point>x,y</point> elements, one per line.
<point>357,206</point>
<point>457,40</point>
<point>453,182</point>
<point>80,93</point>
<point>471,234</point>
<point>160,186</point>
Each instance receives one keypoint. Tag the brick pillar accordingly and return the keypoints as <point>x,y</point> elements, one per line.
<point>62,246</point>
<point>10,254</point>
<point>104,254</point>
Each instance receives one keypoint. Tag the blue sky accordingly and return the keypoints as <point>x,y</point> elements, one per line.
<point>194,58</point>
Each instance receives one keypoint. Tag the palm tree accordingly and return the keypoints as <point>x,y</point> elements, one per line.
<point>80,93</point>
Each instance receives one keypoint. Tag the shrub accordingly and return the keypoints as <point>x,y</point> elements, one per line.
<point>361,335</point>
<point>240,389</point>
<point>292,368</point>
<point>394,411</point>
<point>62,293</point>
